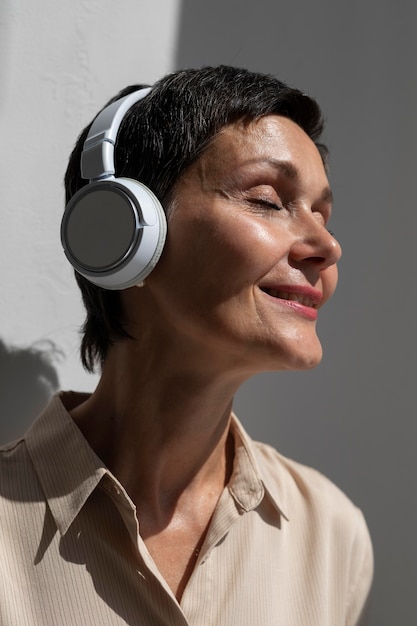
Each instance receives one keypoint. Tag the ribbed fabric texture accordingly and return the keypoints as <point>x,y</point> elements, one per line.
<point>285,546</point>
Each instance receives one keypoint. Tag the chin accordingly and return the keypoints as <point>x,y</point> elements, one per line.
<point>305,358</point>
<point>309,358</point>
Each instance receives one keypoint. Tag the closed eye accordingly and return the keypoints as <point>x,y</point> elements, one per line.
<point>268,203</point>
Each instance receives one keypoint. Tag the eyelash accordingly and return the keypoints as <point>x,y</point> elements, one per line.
<point>271,205</point>
<point>277,207</point>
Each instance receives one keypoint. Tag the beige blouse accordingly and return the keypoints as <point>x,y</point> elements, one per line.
<point>285,546</point>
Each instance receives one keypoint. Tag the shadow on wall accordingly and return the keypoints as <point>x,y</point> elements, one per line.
<point>354,418</point>
<point>28,378</point>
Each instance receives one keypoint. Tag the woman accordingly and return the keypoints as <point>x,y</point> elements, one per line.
<point>148,503</point>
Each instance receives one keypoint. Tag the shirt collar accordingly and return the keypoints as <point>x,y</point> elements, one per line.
<point>69,470</point>
<point>252,479</point>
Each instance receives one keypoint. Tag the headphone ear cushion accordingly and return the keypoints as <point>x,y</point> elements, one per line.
<point>113,232</point>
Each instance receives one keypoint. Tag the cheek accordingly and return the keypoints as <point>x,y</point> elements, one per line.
<point>238,249</point>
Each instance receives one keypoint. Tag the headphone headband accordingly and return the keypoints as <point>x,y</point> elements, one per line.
<point>97,158</point>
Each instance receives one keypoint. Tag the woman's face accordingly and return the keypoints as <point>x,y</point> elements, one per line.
<point>249,260</point>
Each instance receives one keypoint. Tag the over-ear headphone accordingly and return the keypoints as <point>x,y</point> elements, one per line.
<point>113,229</point>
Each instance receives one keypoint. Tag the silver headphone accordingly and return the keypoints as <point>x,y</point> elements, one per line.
<point>113,229</point>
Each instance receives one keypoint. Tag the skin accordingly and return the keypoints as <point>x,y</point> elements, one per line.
<point>248,225</point>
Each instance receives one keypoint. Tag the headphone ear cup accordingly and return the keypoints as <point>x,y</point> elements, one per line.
<point>113,232</point>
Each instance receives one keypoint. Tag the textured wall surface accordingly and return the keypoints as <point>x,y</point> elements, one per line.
<point>58,66</point>
<point>354,416</point>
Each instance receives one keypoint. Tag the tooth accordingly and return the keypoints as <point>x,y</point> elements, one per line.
<point>285,295</point>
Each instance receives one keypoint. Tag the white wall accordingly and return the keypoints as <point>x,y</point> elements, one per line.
<point>58,65</point>
<point>353,417</point>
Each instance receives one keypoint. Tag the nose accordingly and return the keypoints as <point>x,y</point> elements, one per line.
<point>316,245</point>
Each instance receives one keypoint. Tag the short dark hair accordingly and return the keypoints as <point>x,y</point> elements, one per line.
<point>158,140</point>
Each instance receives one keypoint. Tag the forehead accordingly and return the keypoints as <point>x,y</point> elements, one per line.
<point>268,136</point>
<point>273,144</point>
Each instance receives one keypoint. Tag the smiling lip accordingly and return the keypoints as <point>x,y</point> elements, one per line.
<point>302,299</point>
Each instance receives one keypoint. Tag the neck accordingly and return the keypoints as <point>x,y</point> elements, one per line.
<point>161,428</point>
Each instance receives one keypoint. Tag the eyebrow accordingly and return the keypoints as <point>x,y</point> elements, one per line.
<point>327,195</point>
<point>292,173</point>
